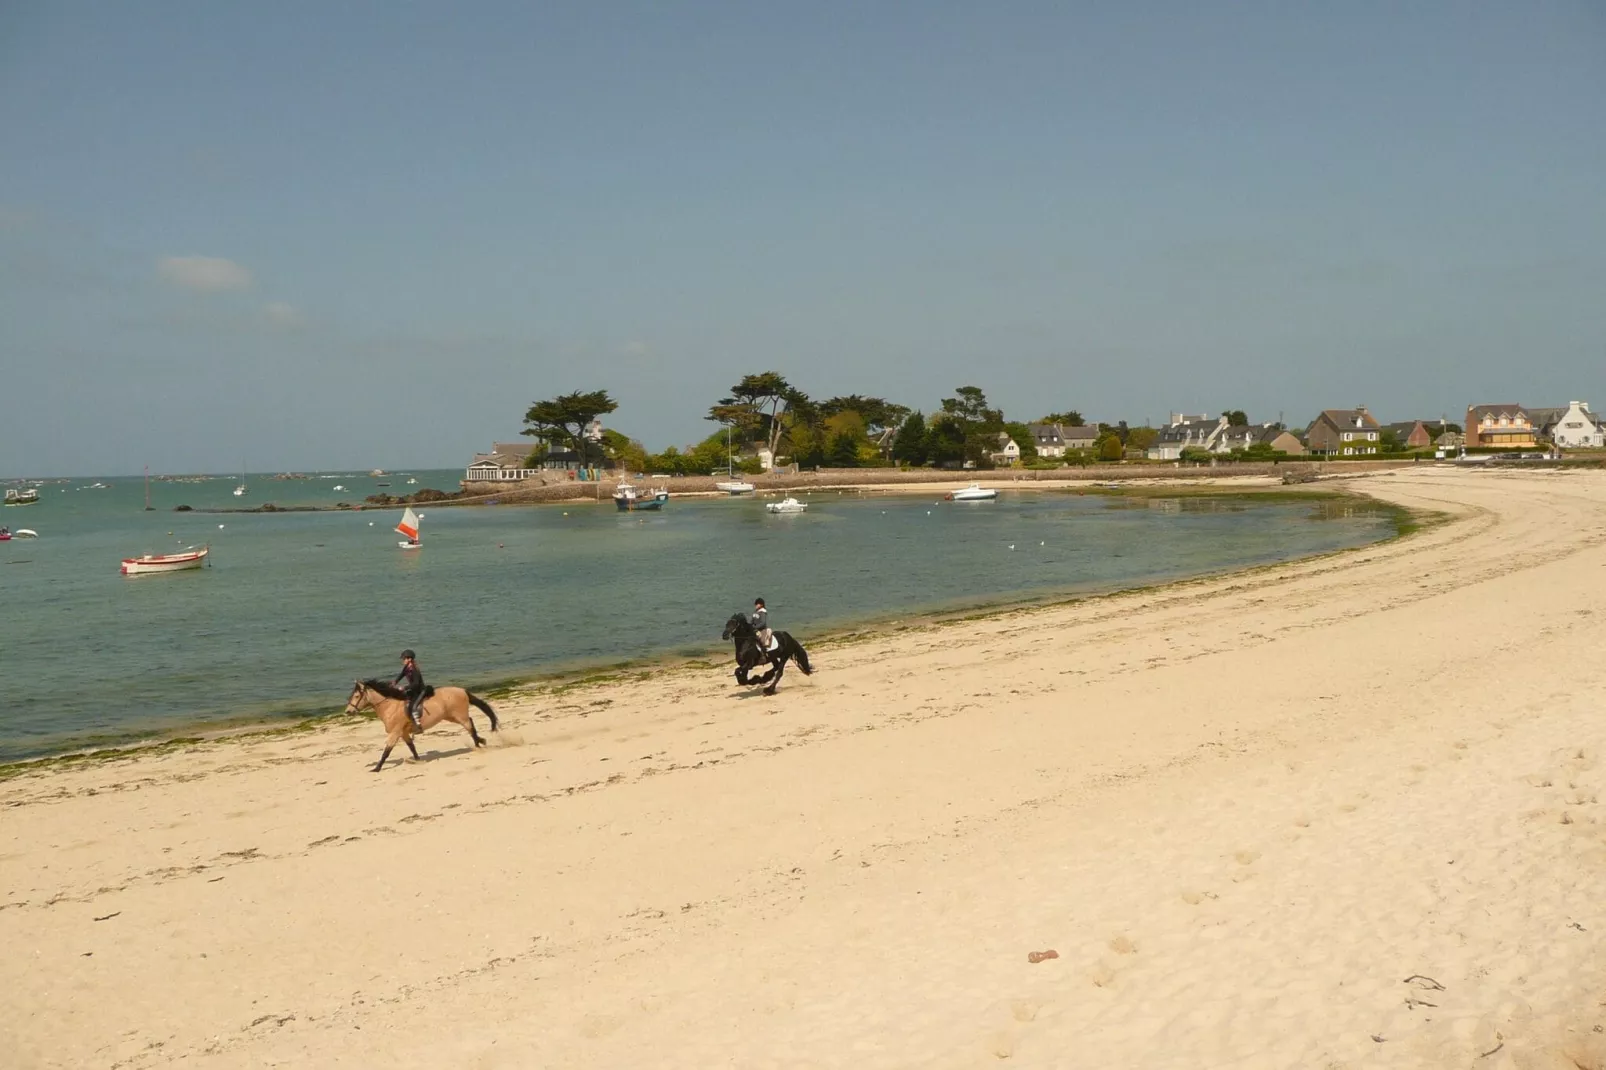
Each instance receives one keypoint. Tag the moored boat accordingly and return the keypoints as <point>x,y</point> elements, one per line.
<point>734,487</point>
<point>973,493</point>
<point>629,499</point>
<point>24,533</point>
<point>149,564</point>
<point>26,496</point>
<point>787,505</point>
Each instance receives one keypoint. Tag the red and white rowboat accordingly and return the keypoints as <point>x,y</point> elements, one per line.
<point>150,563</point>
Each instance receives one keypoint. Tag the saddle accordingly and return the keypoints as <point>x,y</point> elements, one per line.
<point>775,644</point>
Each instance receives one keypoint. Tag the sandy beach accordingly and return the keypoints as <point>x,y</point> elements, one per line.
<point>1338,813</point>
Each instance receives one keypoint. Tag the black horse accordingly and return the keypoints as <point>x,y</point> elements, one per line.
<point>749,656</point>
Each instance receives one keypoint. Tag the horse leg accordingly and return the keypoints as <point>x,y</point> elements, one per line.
<point>409,741</point>
<point>780,668</point>
<point>390,745</point>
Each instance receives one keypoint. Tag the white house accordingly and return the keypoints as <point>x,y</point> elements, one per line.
<point>1573,427</point>
<point>1050,439</point>
<point>504,464</point>
<point>1182,435</point>
<point>1008,451</point>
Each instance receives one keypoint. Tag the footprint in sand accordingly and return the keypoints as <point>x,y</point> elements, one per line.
<point>1121,945</point>
<point>1245,857</point>
<point>1102,975</point>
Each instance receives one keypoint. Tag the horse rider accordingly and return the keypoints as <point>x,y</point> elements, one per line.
<point>414,687</point>
<point>760,620</point>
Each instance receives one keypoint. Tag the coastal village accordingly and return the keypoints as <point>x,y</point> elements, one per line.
<point>769,426</point>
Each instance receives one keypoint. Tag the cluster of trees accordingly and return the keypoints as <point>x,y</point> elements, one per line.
<point>766,412</point>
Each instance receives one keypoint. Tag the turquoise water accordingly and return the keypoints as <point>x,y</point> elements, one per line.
<point>296,605</point>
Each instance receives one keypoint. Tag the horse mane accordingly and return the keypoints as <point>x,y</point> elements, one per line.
<point>384,687</point>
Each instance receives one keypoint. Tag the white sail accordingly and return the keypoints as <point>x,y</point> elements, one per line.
<point>409,524</point>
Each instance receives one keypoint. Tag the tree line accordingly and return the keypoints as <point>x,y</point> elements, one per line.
<point>766,412</point>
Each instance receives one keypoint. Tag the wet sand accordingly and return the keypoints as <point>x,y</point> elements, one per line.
<point>1336,813</point>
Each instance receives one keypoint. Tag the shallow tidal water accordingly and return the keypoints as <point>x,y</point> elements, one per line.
<point>297,605</point>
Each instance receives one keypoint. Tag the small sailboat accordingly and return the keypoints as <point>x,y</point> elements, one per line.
<point>730,484</point>
<point>239,490</point>
<point>409,528</point>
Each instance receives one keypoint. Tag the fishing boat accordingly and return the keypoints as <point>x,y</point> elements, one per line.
<point>973,493</point>
<point>25,496</point>
<point>787,505</point>
<point>409,528</point>
<point>150,564</point>
<point>629,499</point>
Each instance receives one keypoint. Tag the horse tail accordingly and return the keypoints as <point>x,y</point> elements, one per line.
<point>480,704</point>
<point>802,658</point>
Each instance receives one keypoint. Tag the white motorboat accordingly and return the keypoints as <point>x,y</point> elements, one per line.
<point>150,564</point>
<point>25,533</point>
<point>26,496</point>
<point>410,482</point>
<point>973,493</point>
<point>337,486</point>
<point>735,486</point>
<point>787,505</point>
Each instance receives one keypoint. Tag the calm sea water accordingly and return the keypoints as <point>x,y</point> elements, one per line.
<point>296,605</point>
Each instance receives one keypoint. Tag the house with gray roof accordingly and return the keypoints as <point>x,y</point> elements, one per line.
<point>1344,433</point>
<point>1572,426</point>
<point>1173,438</point>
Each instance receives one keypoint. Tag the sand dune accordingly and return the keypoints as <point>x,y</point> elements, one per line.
<point>1339,813</point>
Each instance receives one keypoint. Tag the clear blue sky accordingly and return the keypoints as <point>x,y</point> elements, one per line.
<point>314,234</point>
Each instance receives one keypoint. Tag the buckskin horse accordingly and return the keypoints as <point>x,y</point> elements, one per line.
<point>749,656</point>
<point>389,704</point>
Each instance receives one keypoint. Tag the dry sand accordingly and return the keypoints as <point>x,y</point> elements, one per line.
<point>1246,813</point>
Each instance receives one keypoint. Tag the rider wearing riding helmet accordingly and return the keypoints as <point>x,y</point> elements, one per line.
<point>760,620</point>
<point>414,686</point>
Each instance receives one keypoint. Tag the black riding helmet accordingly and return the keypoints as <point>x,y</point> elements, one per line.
<point>759,602</point>
<point>409,655</point>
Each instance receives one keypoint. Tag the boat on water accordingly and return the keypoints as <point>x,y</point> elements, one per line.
<point>337,486</point>
<point>24,533</point>
<point>150,564</point>
<point>25,496</point>
<point>787,505</point>
<point>973,493</point>
<point>5,534</point>
<point>409,528</point>
<point>377,472</point>
<point>381,484</point>
<point>730,484</point>
<point>629,499</point>
<point>240,489</point>
<point>410,482</point>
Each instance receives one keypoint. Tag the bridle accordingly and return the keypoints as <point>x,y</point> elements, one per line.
<point>359,698</point>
